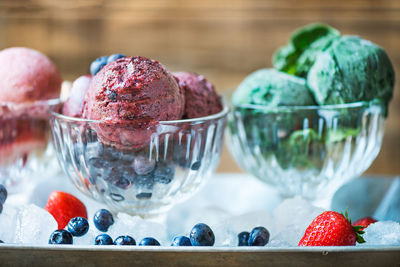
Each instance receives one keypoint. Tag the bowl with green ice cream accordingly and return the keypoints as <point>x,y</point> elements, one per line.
<point>315,120</point>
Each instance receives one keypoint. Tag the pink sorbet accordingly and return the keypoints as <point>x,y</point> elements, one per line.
<point>27,75</point>
<point>73,107</point>
<point>200,96</point>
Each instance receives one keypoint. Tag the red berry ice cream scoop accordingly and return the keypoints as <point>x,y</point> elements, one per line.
<point>130,96</point>
<point>200,96</point>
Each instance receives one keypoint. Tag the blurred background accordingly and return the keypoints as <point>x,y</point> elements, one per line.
<point>223,40</point>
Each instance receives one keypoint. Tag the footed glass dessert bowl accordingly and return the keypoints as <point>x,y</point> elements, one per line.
<point>105,162</point>
<point>307,151</point>
<point>25,149</point>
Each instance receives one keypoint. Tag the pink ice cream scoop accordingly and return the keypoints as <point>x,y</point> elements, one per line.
<point>73,107</point>
<point>200,96</point>
<point>27,75</point>
<point>130,96</point>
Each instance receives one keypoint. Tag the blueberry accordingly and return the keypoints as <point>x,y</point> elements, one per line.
<point>125,240</point>
<point>121,176</point>
<point>144,195</point>
<point>114,57</point>
<point>60,237</point>
<point>181,241</point>
<point>196,166</point>
<point>109,153</point>
<point>259,236</point>
<point>144,181</point>
<point>78,226</point>
<point>149,241</point>
<point>103,219</point>
<point>1,207</point>
<point>243,238</point>
<point>97,64</point>
<point>202,235</point>
<point>103,239</point>
<point>164,172</point>
<point>3,194</point>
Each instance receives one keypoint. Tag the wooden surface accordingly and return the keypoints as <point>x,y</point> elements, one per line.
<point>224,40</point>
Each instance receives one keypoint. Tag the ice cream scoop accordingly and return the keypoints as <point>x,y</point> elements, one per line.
<point>351,70</point>
<point>73,106</point>
<point>129,96</point>
<point>200,96</point>
<point>27,75</point>
<point>305,45</point>
<point>272,88</point>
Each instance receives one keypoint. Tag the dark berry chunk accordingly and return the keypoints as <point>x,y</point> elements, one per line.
<point>243,238</point>
<point>103,239</point>
<point>202,235</point>
<point>181,241</point>
<point>196,166</point>
<point>78,226</point>
<point>259,236</point>
<point>144,182</point>
<point>3,194</point>
<point>125,241</point>
<point>149,241</point>
<point>144,195</point>
<point>164,172</point>
<point>97,64</point>
<point>60,237</point>
<point>114,57</point>
<point>103,219</point>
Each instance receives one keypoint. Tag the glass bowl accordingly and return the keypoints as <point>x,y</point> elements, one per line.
<point>307,151</point>
<point>24,141</point>
<point>169,166</point>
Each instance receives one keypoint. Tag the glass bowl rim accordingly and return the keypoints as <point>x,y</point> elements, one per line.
<point>49,102</point>
<point>358,104</point>
<point>223,113</point>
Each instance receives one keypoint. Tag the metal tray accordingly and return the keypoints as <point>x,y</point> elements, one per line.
<point>46,255</point>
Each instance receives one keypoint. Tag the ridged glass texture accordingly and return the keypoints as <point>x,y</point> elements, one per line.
<point>306,151</point>
<point>25,150</point>
<point>177,159</point>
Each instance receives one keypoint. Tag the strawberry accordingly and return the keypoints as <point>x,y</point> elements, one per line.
<point>64,207</point>
<point>364,222</point>
<point>331,228</point>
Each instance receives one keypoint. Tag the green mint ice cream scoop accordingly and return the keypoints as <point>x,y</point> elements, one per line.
<point>305,45</point>
<point>272,88</point>
<point>351,70</point>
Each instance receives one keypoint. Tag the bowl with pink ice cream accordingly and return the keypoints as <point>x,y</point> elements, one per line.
<point>29,87</point>
<point>128,135</point>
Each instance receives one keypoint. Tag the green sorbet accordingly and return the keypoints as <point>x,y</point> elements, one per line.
<point>272,88</point>
<point>304,46</point>
<point>351,70</point>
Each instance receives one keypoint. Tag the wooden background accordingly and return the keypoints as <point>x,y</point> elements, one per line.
<point>224,40</point>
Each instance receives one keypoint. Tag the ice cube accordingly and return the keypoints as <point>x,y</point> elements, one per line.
<point>137,228</point>
<point>8,221</point>
<point>226,232</point>
<point>34,225</point>
<point>389,208</point>
<point>292,217</point>
<point>210,215</point>
<point>382,233</point>
<point>89,237</point>
<point>278,241</point>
